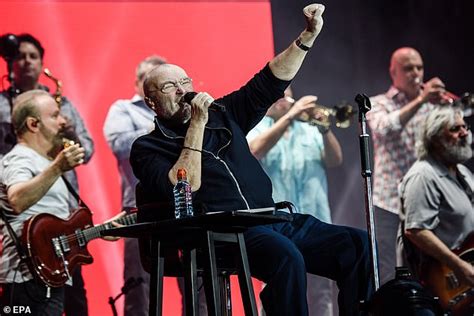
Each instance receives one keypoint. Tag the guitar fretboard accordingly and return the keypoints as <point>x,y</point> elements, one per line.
<point>94,232</point>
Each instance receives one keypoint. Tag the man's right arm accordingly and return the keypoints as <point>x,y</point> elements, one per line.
<point>23,195</point>
<point>427,242</point>
<point>191,156</point>
<point>432,92</point>
<point>263,143</point>
<point>260,145</point>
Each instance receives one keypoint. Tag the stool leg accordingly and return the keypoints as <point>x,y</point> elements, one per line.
<point>190,282</point>
<point>156,279</point>
<point>245,280</point>
<point>211,283</point>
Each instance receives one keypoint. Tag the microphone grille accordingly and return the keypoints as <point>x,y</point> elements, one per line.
<point>188,96</point>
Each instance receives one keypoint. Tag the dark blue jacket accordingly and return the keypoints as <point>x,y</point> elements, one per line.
<point>232,178</point>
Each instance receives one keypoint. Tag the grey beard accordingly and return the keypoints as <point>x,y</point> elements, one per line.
<point>458,153</point>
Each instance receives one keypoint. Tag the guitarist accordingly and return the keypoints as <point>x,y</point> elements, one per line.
<point>437,195</point>
<point>31,174</point>
<point>27,68</point>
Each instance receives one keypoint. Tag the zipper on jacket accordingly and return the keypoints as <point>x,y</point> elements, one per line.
<point>217,158</point>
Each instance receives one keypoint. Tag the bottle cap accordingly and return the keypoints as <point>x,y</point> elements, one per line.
<point>181,174</point>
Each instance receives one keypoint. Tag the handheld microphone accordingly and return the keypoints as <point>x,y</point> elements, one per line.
<point>188,96</point>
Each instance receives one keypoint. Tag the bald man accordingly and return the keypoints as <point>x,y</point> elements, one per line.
<point>225,176</point>
<point>393,120</point>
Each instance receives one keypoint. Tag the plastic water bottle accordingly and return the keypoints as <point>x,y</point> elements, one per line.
<point>183,203</point>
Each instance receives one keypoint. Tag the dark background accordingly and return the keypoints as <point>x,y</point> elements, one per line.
<point>352,54</point>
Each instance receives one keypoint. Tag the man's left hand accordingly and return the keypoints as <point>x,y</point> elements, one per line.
<point>115,224</point>
<point>314,18</point>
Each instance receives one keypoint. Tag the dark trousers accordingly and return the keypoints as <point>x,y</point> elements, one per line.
<point>136,299</point>
<point>281,254</point>
<point>75,300</point>
<point>32,295</point>
<point>202,306</point>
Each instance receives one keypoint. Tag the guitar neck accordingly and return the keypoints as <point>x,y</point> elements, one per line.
<point>94,232</point>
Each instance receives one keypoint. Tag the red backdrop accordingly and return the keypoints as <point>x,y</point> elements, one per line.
<point>94,47</point>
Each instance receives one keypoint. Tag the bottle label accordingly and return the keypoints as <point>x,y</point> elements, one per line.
<point>183,199</point>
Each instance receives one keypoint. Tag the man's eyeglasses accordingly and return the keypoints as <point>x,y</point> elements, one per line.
<point>457,128</point>
<point>169,87</point>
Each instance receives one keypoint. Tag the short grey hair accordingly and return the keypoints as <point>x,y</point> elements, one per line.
<point>433,127</point>
<point>24,106</point>
<point>143,66</point>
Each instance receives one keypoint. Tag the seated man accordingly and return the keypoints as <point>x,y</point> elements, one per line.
<point>225,176</point>
<point>437,196</point>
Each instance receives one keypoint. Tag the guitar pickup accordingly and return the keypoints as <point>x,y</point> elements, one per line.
<point>81,239</point>
<point>58,246</point>
<point>64,243</point>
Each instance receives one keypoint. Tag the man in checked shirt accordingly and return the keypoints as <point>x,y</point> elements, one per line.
<point>393,120</point>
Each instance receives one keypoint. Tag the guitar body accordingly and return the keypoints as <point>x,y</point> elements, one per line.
<point>454,297</point>
<point>41,236</point>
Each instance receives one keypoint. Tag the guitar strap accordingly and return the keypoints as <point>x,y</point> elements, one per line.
<point>465,185</point>
<point>4,208</point>
<point>74,193</point>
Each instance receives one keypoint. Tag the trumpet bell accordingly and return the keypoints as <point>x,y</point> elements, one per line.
<point>466,103</point>
<point>343,115</point>
<point>321,116</point>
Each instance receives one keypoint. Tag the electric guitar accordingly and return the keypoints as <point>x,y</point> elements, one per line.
<point>454,296</point>
<point>55,246</point>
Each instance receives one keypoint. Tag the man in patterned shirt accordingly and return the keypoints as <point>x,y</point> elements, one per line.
<point>393,120</point>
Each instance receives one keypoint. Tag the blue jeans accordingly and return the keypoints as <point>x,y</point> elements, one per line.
<point>281,254</point>
<point>32,294</point>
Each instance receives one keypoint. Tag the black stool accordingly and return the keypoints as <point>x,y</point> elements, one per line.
<point>192,235</point>
<point>202,243</point>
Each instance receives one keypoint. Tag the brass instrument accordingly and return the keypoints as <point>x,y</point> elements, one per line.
<point>321,115</point>
<point>466,102</point>
<point>59,86</point>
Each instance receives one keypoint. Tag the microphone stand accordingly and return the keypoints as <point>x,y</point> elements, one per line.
<point>12,89</point>
<point>364,106</point>
<point>129,284</point>
<point>9,50</point>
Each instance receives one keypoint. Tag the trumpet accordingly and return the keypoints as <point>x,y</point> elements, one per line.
<point>59,86</point>
<point>321,115</point>
<point>465,102</point>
